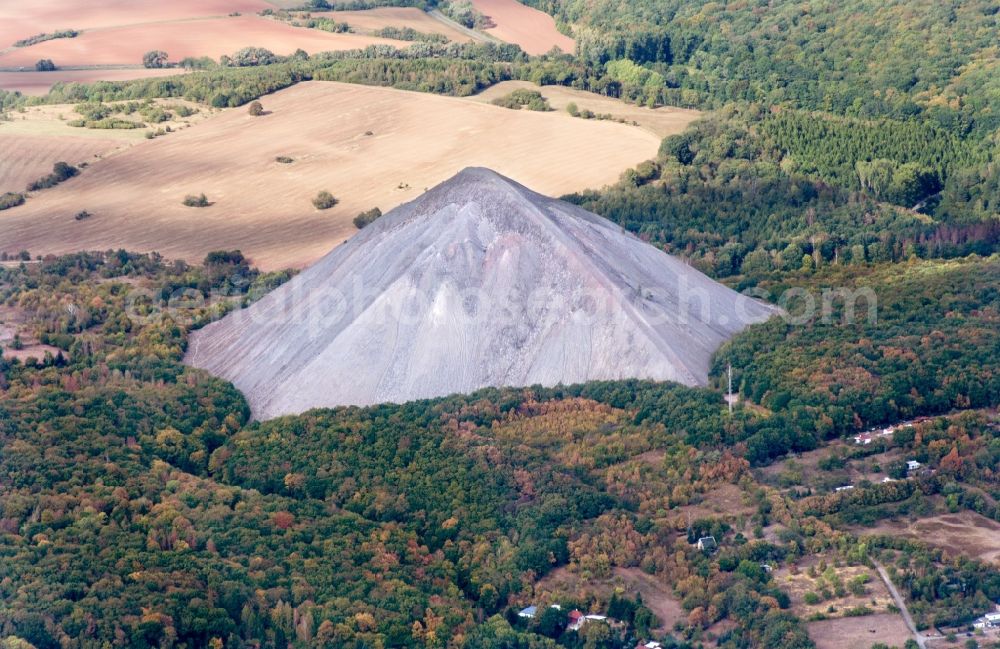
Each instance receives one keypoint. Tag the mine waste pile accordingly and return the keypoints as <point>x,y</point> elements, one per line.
<point>479,282</point>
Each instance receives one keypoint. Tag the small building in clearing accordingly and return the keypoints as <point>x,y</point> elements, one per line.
<point>988,621</point>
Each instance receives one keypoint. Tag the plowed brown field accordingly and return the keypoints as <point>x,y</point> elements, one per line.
<point>535,31</point>
<point>212,37</point>
<point>20,20</point>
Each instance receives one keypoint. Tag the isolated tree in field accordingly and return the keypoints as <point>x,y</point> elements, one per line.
<point>324,200</point>
<point>366,218</point>
<point>45,65</point>
<point>60,171</point>
<point>523,98</point>
<point>154,59</point>
<point>256,109</point>
<point>196,201</point>
<point>10,199</point>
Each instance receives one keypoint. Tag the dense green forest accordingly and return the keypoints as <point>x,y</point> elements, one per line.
<point>140,508</point>
<point>135,510</point>
<point>724,195</point>
<point>895,342</point>
<point>859,58</point>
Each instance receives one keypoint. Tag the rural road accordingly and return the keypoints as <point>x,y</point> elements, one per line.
<point>921,640</point>
<point>471,33</point>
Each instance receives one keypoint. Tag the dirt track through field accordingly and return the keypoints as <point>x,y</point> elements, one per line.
<point>264,207</point>
<point>656,595</point>
<point>900,604</point>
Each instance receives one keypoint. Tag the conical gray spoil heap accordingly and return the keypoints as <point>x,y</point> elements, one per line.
<point>479,282</point>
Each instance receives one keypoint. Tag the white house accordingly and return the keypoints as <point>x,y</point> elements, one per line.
<point>988,621</point>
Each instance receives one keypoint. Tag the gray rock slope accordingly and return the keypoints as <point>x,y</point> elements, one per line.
<point>479,282</point>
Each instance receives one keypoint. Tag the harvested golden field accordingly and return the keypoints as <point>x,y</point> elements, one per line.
<point>39,83</point>
<point>125,45</point>
<point>368,146</point>
<point>662,121</point>
<point>37,138</point>
<point>535,31</point>
<point>965,533</point>
<point>368,20</point>
<point>27,158</point>
<point>859,632</point>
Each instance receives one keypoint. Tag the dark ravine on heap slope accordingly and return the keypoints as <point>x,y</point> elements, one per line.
<point>479,282</point>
